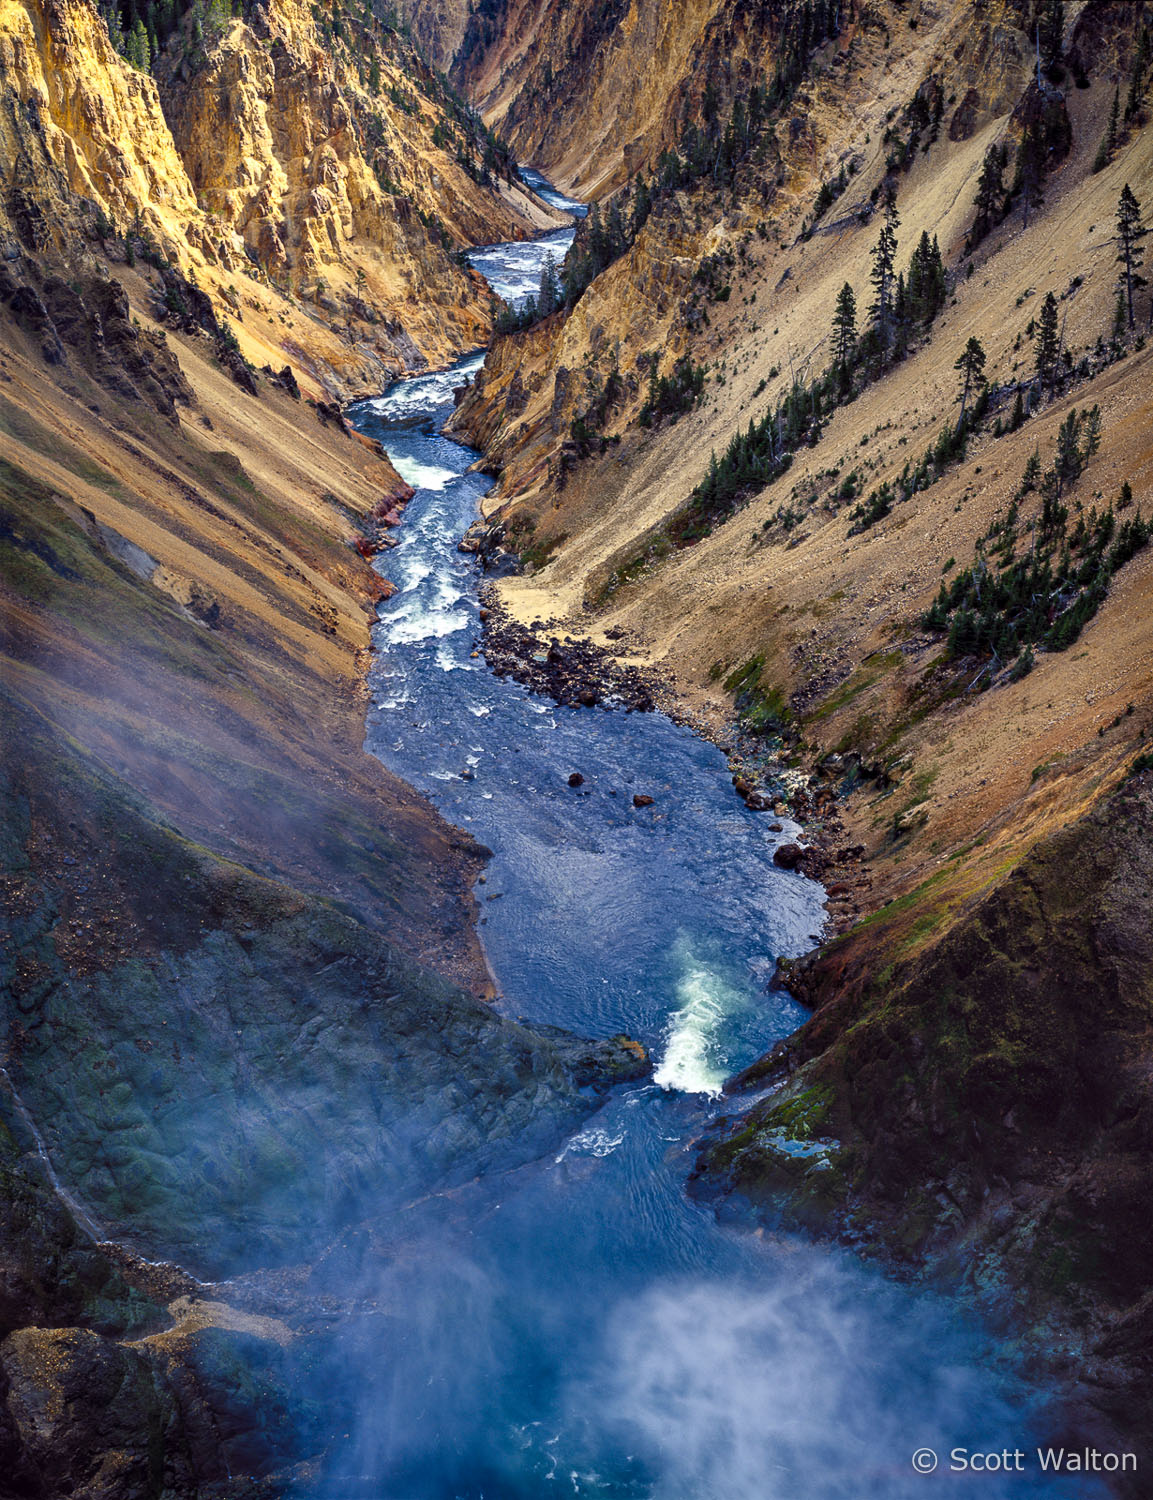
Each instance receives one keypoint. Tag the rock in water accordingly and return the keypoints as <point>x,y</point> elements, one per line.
<point>598,1065</point>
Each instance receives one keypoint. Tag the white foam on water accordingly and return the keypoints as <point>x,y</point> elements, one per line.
<point>480,710</point>
<point>513,270</point>
<point>447,662</point>
<point>594,1142</point>
<point>422,476</point>
<point>447,593</point>
<point>413,570</point>
<point>414,623</point>
<point>693,1062</point>
<point>413,397</point>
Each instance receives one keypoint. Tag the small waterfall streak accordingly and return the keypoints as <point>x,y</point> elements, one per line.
<point>80,1214</point>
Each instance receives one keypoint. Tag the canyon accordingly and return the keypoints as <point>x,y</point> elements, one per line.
<point>221,914</point>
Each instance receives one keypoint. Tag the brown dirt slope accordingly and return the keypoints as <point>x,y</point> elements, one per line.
<point>212,657</point>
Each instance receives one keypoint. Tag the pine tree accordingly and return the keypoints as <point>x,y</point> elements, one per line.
<point>1137,79</point>
<point>1092,434</point>
<point>615,230</point>
<point>1048,340</point>
<point>1052,35</point>
<point>900,318</point>
<point>642,206</point>
<point>938,283</point>
<point>139,54</point>
<point>971,365</point>
<point>1119,317</point>
<point>115,29</point>
<point>550,295</point>
<point>884,256</point>
<point>1109,139</point>
<point>596,239</point>
<point>1031,170</point>
<point>915,282</point>
<point>1069,460</point>
<point>845,330</point>
<point>1130,233</point>
<point>1032,475</point>
<point>990,199</point>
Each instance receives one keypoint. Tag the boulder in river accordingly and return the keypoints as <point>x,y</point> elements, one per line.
<point>640,800</point>
<point>576,779</point>
<point>788,856</point>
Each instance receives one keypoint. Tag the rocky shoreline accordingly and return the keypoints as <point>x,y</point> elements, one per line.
<point>577,673</point>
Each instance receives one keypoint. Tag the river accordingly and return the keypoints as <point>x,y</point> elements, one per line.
<point>580,1326</point>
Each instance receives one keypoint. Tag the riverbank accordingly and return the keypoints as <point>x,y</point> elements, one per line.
<point>766,775</point>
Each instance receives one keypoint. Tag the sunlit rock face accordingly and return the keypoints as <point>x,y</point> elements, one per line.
<point>269,151</point>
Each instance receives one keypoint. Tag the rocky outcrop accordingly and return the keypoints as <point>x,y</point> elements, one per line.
<point>90,321</point>
<point>625,70</point>
<point>333,186</point>
<point>82,131</point>
<point>438,27</point>
<point>180,1412</point>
